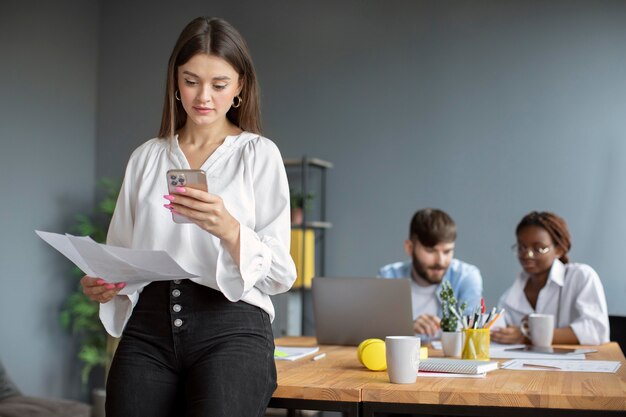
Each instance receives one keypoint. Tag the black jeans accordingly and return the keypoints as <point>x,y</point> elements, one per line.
<point>188,351</point>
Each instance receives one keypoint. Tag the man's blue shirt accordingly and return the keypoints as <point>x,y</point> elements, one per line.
<point>464,278</point>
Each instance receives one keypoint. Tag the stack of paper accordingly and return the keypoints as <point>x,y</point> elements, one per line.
<point>114,264</point>
<point>562,365</point>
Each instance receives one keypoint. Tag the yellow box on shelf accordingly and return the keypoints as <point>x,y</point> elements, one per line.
<point>304,259</point>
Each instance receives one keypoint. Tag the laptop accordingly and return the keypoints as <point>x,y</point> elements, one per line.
<point>350,310</point>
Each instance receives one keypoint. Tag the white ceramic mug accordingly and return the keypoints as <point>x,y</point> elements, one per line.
<point>403,358</point>
<point>539,328</point>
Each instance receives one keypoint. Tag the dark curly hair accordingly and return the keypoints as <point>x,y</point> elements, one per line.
<point>554,225</point>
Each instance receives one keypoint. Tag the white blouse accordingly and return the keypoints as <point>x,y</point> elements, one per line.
<point>248,173</point>
<point>573,294</point>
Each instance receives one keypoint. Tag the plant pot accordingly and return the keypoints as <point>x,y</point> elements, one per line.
<point>297,216</point>
<point>452,344</point>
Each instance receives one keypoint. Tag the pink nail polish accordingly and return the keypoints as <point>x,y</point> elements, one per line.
<point>109,286</point>
<point>180,189</point>
<point>167,206</point>
<point>169,197</point>
<point>121,285</point>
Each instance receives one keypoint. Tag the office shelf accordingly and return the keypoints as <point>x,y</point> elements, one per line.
<point>306,175</point>
<point>313,225</point>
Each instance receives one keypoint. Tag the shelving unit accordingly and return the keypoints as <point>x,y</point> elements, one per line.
<point>296,315</point>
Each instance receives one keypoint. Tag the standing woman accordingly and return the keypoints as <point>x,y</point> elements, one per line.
<point>202,346</point>
<point>550,284</point>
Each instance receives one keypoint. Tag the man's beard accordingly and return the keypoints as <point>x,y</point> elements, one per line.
<point>422,272</point>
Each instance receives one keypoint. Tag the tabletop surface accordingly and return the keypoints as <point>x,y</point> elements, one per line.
<point>340,377</point>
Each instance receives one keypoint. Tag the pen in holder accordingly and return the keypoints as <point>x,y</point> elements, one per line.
<point>476,344</point>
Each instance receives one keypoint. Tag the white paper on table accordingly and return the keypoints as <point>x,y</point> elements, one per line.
<point>114,264</point>
<point>497,347</point>
<point>562,365</point>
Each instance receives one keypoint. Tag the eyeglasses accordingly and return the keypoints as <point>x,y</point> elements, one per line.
<point>530,252</point>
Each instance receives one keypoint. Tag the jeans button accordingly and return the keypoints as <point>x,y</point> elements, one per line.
<point>176,293</point>
<point>176,281</point>
<point>176,308</point>
<point>178,322</point>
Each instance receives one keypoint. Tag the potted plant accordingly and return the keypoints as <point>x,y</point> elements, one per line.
<point>298,203</point>
<point>451,336</point>
<point>79,314</point>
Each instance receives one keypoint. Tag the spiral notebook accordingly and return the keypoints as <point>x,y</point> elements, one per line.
<point>457,366</point>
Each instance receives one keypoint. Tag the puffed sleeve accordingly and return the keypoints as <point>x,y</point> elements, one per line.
<point>116,312</point>
<point>590,318</point>
<point>265,261</point>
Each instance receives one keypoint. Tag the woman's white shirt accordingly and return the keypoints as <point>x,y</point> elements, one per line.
<point>248,173</point>
<point>573,294</point>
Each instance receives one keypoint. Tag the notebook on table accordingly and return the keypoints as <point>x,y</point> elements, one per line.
<point>350,310</point>
<point>457,366</point>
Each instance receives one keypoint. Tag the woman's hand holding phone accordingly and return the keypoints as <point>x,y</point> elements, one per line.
<point>204,209</point>
<point>99,290</point>
<point>190,202</point>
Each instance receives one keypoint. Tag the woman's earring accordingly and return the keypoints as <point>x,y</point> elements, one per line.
<point>239,100</point>
<point>177,95</point>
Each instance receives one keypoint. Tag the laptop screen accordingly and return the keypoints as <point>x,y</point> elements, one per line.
<point>350,310</point>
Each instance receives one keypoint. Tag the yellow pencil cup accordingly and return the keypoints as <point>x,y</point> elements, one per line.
<point>476,344</point>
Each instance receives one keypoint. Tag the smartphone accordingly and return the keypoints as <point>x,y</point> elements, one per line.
<point>192,178</point>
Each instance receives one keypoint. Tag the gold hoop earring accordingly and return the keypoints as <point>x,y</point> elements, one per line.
<point>239,100</point>
<point>177,95</point>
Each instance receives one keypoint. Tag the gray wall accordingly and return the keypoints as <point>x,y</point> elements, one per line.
<point>48,70</point>
<point>487,109</point>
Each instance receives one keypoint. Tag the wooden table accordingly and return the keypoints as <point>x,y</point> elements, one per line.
<point>340,383</point>
<point>329,384</point>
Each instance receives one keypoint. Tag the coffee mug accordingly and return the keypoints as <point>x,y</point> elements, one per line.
<point>539,328</point>
<point>403,358</point>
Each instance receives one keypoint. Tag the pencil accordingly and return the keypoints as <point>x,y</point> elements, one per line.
<point>532,365</point>
<point>488,326</point>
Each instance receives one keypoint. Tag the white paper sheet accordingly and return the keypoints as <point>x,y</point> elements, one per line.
<point>114,264</point>
<point>289,353</point>
<point>562,365</point>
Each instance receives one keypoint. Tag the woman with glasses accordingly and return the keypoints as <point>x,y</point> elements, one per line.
<point>550,284</point>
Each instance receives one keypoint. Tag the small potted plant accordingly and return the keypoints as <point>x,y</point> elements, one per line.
<point>299,202</point>
<point>451,337</point>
